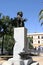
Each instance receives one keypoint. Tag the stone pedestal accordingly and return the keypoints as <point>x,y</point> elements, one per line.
<point>20,36</point>
<point>20,51</point>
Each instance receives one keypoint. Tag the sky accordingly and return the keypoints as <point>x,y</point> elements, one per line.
<point>30,9</point>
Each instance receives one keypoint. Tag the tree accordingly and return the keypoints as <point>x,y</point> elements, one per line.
<point>1,33</point>
<point>41,16</point>
<point>30,41</point>
<point>9,40</point>
<point>9,43</point>
<point>4,28</point>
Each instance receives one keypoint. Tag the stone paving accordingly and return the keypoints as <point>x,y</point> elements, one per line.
<point>2,60</point>
<point>38,59</point>
<point>35,58</point>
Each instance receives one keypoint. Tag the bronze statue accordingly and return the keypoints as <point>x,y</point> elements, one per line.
<point>19,21</point>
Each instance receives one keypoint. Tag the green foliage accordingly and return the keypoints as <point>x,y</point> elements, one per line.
<point>30,42</point>
<point>31,39</point>
<point>41,16</point>
<point>30,46</point>
<point>0,43</point>
<point>9,43</point>
<point>7,33</point>
<point>40,13</point>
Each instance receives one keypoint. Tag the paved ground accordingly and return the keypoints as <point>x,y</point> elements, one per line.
<point>38,59</point>
<point>35,58</point>
<point>2,60</point>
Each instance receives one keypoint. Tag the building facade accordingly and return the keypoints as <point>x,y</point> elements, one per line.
<point>37,39</point>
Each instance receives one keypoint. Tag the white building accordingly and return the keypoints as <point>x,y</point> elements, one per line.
<point>37,39</point>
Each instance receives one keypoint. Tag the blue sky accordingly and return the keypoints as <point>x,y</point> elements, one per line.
<point>30,8</point>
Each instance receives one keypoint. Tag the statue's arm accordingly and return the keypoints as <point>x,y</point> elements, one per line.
<point>24,20</point>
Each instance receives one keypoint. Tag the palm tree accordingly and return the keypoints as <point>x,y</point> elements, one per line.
<point>6,29</point>
<point>1,33</point>
<point>8,37</point>
<point>4,23</point>
<point>41,16</point>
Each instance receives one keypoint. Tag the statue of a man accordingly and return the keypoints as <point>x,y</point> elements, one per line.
<point>19,21</point>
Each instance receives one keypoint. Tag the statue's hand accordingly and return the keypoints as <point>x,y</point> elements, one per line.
<point>25,20</point>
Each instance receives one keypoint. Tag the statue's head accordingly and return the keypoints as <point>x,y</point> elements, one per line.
<point>20,13</point>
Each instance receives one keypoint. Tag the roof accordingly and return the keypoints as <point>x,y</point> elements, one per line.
<point>34,33</point>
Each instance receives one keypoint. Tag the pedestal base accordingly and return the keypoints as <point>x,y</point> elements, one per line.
<point>20,36</point>
<point>23,62</point>
<point>20,61</point>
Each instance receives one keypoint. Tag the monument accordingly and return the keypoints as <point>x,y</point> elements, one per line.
<point>20,50</point>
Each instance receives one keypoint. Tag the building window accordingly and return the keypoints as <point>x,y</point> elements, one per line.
<point>42,37</point>
<point>38,41</point>
<point>38,37</point>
